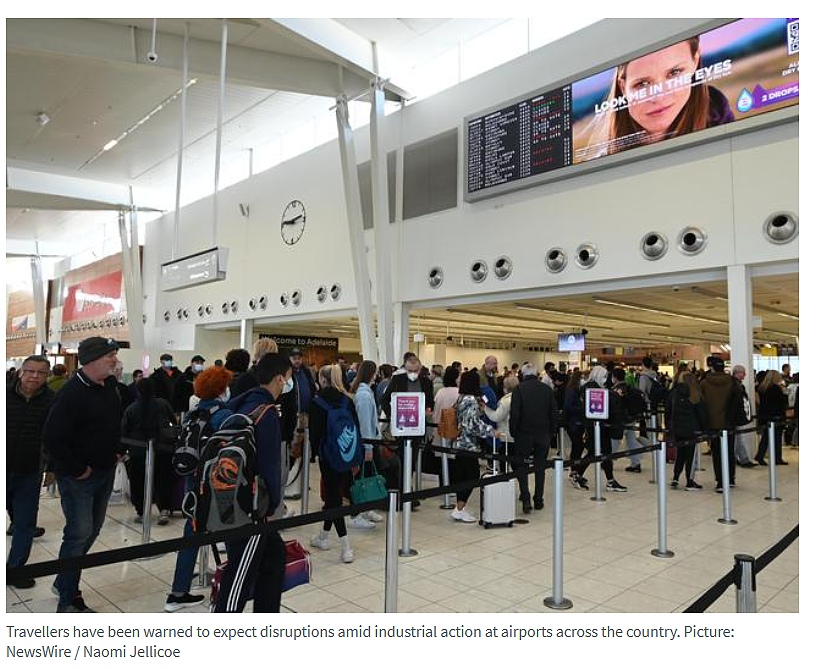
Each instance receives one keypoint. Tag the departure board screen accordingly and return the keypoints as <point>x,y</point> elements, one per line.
<point>744,68</point>
<point>521,140</point>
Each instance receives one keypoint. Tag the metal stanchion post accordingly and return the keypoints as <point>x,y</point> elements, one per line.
<point>654,441</point>
<point>597,497</point>
<point>446,480</point>
<point>305,456</point>
<point>772,466</point>
<point>558,600</point>
<point>205,577</point>
<point>391,554</point>
<point>562,442</point>
<point>147,500</point>
<point>418,474</point>
<point>745,584</point>
<point>406,550</point>
<point>661,483</point>
<point>727,511</point>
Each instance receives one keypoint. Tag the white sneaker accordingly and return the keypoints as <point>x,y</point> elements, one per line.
<point>319,542</point>
<point>288,513</point>
<point>463,516</point>
<point>359,522</point>
<point>374,516</point>
<point>347,555</point>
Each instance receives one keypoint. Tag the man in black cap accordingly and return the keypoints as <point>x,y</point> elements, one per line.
<point>184,386</point>
<point>295,417</point>
<point>82,442</point>
<point>165,378</point>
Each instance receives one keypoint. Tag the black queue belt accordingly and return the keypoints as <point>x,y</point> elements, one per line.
<point>714,593</point>
<point>174,545</point>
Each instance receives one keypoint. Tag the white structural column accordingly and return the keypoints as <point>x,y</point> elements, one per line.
<point>401,331</point>
<point>382,227</point>
<point>131,297</point>
<point>136,326</point>
<point>741,335</point>
<point>247,333</point>
<point>354,217</point>
<point>39,302</point>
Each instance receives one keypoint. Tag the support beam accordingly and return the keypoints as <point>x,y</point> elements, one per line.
<point>741,337</point>
<point>354,217</point>
<point>131,297</point>
<point>246,333</point>
<point>86,38</point>
<point>382,228</point>
<point>136,327</point>
<point>39,303</point>
<point>401,331</point>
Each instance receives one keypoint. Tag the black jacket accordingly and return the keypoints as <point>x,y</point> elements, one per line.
<point>613,427</point>
<point>164,384</point>
<point>83,427</point>
<point>144,421</point>
<point>183,391</point>
<point>244,382</point>
<point>25,419</point>
<point>125,395</point>
<point>683,416</point>
<point>773,404</point>
<point>287,402</point>
<point>399,384</point>
<point>533,411</point>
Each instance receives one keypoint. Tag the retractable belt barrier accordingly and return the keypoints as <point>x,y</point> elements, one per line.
<point>743,579</point>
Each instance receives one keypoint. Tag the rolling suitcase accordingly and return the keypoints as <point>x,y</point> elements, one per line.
<point>498,500</point>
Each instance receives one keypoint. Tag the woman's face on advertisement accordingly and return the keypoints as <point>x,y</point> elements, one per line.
<point>656,112</point>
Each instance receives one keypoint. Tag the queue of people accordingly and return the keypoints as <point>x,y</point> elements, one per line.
<point>72,429</point>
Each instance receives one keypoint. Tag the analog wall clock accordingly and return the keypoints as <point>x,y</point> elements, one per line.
<point>293,222</point>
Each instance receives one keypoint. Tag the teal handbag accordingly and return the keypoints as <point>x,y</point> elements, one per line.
<point>368,488</point>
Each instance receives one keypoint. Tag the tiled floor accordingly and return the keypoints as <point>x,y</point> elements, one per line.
<point>464,568</point>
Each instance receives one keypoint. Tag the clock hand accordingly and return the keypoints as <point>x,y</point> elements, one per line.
<point>292,221</point>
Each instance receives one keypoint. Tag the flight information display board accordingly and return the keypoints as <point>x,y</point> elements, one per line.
<point>741,69</point>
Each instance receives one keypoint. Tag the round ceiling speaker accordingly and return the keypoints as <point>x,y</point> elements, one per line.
<point>479,270</point>
<point>555,260</point>
<point>691,240</point>
<point>284,299</point>
<point>225,307</point>
<point>296,298</point>
<point>253,304</point>
<point>234,306</point>
<point>586,255</point>
<point>185,314</point>
<point>334,292</point>
<point>435,277</point>
<point>179,314</point>
<point>208,309</point>
<point>263,302</point>
<point>653,246</point>
<point>122,320</point>
<point>503,267</point>
<point>781,227</point>
<point>200,311</point>
<point>321,293</point>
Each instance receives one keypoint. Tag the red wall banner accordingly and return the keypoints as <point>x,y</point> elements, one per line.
<point>93,298</point>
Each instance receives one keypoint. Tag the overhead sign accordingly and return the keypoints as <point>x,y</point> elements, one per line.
<point>597,404</point>
<point>194,270</point>
<point>408,414</point>
<point>93,298</point>
<point>301,341</point>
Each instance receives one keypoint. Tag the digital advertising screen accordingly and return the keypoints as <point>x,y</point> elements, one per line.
<point>572,341</point>
<point>739,70</point>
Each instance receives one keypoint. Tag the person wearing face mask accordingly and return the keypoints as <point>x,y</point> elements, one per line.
<point>212,390</point>
<point>144,420</point>
<point>261,559</point>
<point>183,390</point>
<point>295,417</point>
<point>165,377</point>
<point>408,380</point>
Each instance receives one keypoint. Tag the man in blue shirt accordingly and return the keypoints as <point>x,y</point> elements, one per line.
<point>257,564</point>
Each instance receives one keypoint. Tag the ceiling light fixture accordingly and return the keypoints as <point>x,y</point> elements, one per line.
<point>581,316</point>
<point>794,318</point>
<point>674,314</point>
<point>136,125</point>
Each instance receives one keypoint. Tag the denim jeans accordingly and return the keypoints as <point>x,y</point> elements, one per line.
<point>186,558</point>
<point>83,504</point>
<point>22,500</point>
<point>634,440</point>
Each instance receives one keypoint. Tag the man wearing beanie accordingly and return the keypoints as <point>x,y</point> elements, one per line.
<point>81,438</point>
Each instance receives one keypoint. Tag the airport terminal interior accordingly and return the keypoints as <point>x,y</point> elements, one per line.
<point>582,213</point>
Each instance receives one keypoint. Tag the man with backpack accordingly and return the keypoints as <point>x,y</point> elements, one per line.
<point>718,389</point>
<point>257,564</point>
<point>651,386</point>
<point>634,406</point>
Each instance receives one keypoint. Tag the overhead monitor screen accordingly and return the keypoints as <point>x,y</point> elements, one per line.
<point>741,69</point>
<point>573,341</point>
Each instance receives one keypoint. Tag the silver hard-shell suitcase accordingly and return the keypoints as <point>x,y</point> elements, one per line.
<point>498,500</point>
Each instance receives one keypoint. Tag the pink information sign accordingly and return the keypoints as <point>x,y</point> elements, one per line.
<point>408,414</point>
<point>597,405</point>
